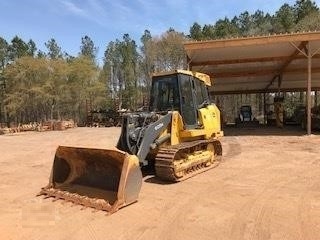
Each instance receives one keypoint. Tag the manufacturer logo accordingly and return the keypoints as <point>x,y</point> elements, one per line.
<point>160,125</point>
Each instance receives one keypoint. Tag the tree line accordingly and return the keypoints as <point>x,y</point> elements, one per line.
<point>38,85</point>
<point>301,16</point>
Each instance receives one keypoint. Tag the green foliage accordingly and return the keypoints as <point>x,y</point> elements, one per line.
<point>40,88</point>
<point>302,16</point>
<point>261,24</point>
<point>170,53</point>
<point>208,31</point>
<point>146,63</point>
<point>3,53</point>
<point>87,48</point>
<point>310,22</point>
<point>24,94</point>
<point>18,48</point>
<point>31,48</point>
<point>196,32</point>
<point>284,19</point>
<point>121,58</point>
<point>303,8</point>
<point>225,28</point>
<point>54,50</point>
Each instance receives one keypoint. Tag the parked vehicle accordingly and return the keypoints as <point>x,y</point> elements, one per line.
<point>245,117</point>
<point>299,117</point>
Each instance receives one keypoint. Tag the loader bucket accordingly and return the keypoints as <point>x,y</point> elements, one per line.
<point>98,178</point>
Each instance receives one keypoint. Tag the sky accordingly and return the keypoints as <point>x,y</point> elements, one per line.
<point>107,20</point>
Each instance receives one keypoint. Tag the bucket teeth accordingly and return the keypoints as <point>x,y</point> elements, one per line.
<point>98,204</point>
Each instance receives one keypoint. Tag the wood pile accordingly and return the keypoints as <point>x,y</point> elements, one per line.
<point>53,125</point>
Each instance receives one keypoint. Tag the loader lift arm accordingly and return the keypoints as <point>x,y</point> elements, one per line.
<point>138,140</point>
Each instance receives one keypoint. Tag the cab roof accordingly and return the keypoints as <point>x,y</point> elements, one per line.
<point>201,76</point>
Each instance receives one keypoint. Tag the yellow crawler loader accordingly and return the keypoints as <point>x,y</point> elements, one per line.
<point>178,136</point>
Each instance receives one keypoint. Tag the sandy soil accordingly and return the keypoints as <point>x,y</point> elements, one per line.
<point>266,187</point>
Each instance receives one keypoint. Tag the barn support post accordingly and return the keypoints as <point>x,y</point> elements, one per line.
<point>264,109</point>
<point>309,91</point>
<point>309,55</point>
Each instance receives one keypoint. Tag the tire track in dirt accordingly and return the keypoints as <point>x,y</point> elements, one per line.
<point>239,223</point>
<point>233,148</point>
<point>308,228</point>
<point>171,221</point>
<point>262,222</point>
<point>304,214</point>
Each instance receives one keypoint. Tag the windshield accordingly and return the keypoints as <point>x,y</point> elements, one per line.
<point>164,94</point>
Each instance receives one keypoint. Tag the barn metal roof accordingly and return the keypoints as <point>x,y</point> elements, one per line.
<point>258,64</point>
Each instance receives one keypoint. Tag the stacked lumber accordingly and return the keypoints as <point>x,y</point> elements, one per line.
<point>51,125</point>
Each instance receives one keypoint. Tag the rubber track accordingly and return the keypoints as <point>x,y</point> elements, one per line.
<point>164,161</point>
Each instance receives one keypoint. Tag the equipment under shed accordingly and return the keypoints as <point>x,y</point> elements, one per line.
<point>260,64</point>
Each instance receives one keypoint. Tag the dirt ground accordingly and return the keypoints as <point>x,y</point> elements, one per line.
<point>266,187</point>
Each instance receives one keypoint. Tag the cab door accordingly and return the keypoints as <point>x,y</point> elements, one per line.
<point>188,105</point>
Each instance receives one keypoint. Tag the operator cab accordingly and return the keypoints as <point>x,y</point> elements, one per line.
<point>182,91</point>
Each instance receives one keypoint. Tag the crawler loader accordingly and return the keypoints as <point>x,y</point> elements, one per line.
<point>178,136</point>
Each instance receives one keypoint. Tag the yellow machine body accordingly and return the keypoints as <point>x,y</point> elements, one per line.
<point>209,118</point>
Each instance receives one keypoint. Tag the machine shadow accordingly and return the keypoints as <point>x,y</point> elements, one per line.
<point>263,130</point>
<point>149,173</point>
